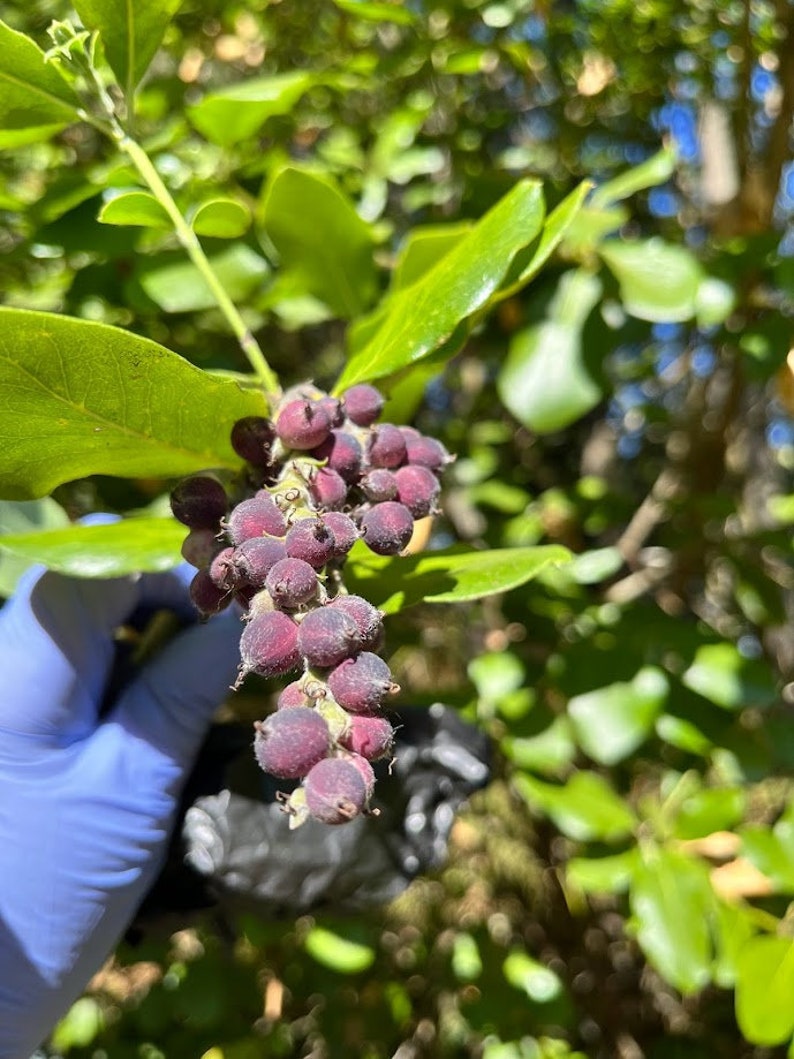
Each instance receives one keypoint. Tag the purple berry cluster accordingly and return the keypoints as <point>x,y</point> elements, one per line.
<point>321,475</point>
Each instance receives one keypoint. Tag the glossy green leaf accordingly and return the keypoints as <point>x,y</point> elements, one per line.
<point>453,576</point>
<point>423,248</point>
<point>602,875</point>
<point>237,112</point>
<point>545,382</point>
<point>131,32</point>
<point>35,100</point>
<point>648,174</point>
<point>764,990</point>
<point>321,239</point>
<point>672,903</point>
<point>23,517</point>
<point>135,208</point>
<point>585,808</point>
<point>374,11</point>
<point>338,953</point>
<point>658,281</point>
<point>723,676</point>
<point>80,398</point>
<point>221,219</point>
<point>179,287</point>
<point>111,550</point>
<point>421,319</point>
<point>611,722</point>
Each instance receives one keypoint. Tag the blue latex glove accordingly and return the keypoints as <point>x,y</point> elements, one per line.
<point>87,804</point>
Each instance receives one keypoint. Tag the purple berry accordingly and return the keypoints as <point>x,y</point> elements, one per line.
<point>360,684</point>
<point>291,583</point>
<point>255,558</point>
<point>379,485</point>
<point>293,695</point>
<point>327,636</point>
<point>269,644</point>
<point>417,488</point>
<point>257,517</point>
<point>199,502</point>
<point>386,447</point>
<point>344,530</point>
<point>369,735</point>
<point>252,439</point>
<point>426,452</point>
<point>363,404</point>
<point>387,528</point>
<point>333,406</point>
<point>223,571</point>
<point>207,597</point>
<point>199,547</point>
<point>288,744</point>
<point>328,488</point>
<point>343,454</point>
<point>312,540</point>
<point>366,771</point>
<point>303,424</point>
<point>368,619</point>
<point>336,792</point>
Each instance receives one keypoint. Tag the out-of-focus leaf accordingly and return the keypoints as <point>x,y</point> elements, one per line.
<point>374,11</point>
<point>134,208</point>
<point>672,904</point>
<point>547,752</point>
<point>421,319</point>
<point>658,281</point>
<point>709,810</point>
<point>111,550</point>
<point>495,674</point>
<point>525,973</point>
<point>589,568</point>
<point>337,953</point>
<point>602,875</point>
<point>588,229</point>
<point>24,517</point>
<point>221,219</point>
<point>611,722</point>
<point>714,302</point>
<point>131,32</point>
<point>35,101</point>
<point>764,988</point>
<point>772,852</point>
<point>648,174</point>
<point>445,577</point>
<point>585,808</point>
<point>545,382</point>
<point>83,1022</point>
<point>722,675</point>
<point>466,960</point>
<point>80,398</point>
<point>237,112</point>
<point>321,239</point>
<point>734,927</point>
<point>179,287</point>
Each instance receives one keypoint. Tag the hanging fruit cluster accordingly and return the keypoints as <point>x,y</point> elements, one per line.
<point>321,475</point>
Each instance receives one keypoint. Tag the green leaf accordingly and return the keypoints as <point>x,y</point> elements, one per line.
<point>321,239</point>
<point>654,171</point>
<point>111,550</point>
<point>602,875</point>
<point>233,114</point>
<point>423,248</point>
<point>586,808</point>
<point>35,100</point>
<point>221,218</point>
<point>611,722</point>
<point>419,321</point>
<point>22,517</point>
<point>715,300</point>
<point>723,676</point>
<point>80,398</point>
<point>658,281</point>
<point>672,903</point>
<point>84,1021</point>
<point>447,576</point>
<point>466,960</point>
<point>545,382</point>
<point>734,927</point>
<point>709,810</point>
<point>131,32</point>
<point>179,287</point>
<point>590,568</point>
<point>496,674</point>
<point>372,11</point>
<point>135,208</point>
<point>338,953</point>
<point>764,988</point>
<point>772,852</point>
<point>539,983</point>
<point>551,750</point>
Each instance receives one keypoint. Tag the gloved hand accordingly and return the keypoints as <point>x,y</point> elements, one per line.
<point>87,800</point>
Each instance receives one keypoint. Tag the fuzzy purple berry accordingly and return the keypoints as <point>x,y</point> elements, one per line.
<point>252,439</point>
<point>293,695</point>
<point>199,502</point>
<point>312,540</point>
<point>303,424</point>
<point>269,644</point>
<point>336,792</point>
<point>366,772</point>
<point>199,547</point>
<point>379,485</point>
<point>344,530</point>
<point>223,571</point>
<point>417,488</point>
<point>291,583</point>
<point>342,453</point>
<point>387,447</point>
<point>426,452</point>
<point>255,558</point>
<point>370,735</point>
<point>368,619</point>
<point>363,404</point>
<point>328,488</point>
<point>206,596</point>
<point>257,517</point>
<point>387,528</point>
<point>327,636</point>
<point>288,744</point>
<point>361,684</point>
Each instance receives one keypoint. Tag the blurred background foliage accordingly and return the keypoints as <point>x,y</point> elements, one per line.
<point>622,888</point>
